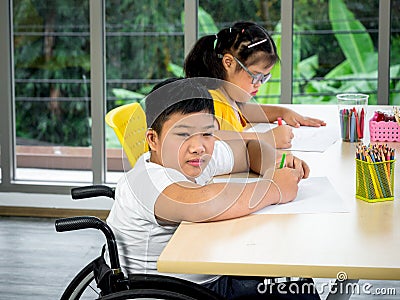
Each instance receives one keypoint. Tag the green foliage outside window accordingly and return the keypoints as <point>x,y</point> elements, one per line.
<point>52,55</point>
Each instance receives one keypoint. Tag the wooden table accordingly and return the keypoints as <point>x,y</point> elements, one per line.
<point>363,243</point>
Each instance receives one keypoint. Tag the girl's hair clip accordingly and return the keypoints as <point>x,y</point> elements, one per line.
<point>215,41</point>
<point>257,43</point>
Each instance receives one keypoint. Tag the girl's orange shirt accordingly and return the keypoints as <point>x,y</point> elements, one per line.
<point>226,114</point>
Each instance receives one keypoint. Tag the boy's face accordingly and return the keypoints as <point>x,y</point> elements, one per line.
<point>186,143</point>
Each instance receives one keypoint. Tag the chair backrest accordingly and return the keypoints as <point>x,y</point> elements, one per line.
<point>129,124</point>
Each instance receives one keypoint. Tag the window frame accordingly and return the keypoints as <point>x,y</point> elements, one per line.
<point>98,85</point>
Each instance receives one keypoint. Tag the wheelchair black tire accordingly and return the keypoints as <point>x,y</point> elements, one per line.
<point>80,283</point>
<point>142,287</point>
<point>148,294</point>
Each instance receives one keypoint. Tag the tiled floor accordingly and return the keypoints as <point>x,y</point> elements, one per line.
<point>36,262</point>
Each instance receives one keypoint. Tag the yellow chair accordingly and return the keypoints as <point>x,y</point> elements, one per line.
<point>129,124</point>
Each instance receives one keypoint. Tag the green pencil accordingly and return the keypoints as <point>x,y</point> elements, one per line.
<point>282,161</point>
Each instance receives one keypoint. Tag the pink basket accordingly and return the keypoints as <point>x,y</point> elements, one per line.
<point>384,131</point>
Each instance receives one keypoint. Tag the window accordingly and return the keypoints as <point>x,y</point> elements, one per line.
<point>141,50</point>
<point>52,90</point>
<point>52,125</point>
<point>334,50</point>
<point>268,15</point>
<point>394,53</point>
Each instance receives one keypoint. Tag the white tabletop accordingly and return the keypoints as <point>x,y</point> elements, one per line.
<point>363,242</point>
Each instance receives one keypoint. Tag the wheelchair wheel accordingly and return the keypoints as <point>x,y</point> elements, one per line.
<point>141,286</point>
<point>112,282</point>
<point>147,294</point>
<point>153,286</point>
<point>83,286</point>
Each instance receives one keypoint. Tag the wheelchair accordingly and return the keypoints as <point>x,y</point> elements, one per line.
<point>98,280</point>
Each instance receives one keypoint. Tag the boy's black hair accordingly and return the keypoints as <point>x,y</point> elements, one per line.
<point>177,95</point>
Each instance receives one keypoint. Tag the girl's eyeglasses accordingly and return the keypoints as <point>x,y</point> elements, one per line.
<point>256,77</point>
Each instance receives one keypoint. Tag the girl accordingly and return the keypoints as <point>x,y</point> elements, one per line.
<point>243,55</point>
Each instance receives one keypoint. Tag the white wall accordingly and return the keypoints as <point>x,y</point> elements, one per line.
<point>53,201</point>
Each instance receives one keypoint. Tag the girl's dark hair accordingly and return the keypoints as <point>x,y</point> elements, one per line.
<point>176,95</point>
<point>204,60</point>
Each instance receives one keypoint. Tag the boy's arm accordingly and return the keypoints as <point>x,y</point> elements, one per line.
<point>258,156</point>
<point>254,155</point>
<point>279,137</point>
<point>187,201</point>
<point>261,157</point>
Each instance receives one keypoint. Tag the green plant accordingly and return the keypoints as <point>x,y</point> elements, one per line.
<point>271,91</point>
<point>358,72</point>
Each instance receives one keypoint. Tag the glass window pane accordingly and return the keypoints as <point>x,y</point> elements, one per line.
<point>266,15</point>
<point>394,54</point>
<point>212,19</point>
<point>142,48</point>
<point>52,107</point>
<point>334,49</point>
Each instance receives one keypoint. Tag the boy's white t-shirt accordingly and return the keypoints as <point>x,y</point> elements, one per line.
<point>140,238</point>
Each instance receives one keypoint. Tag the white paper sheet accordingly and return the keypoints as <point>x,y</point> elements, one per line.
<point>309,139</point>
<point>315,195</point>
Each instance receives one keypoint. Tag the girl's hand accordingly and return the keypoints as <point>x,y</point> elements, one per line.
<point>296,120</point>
<point>282,136</point>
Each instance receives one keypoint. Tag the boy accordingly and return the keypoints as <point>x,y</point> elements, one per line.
<point>168,184</point>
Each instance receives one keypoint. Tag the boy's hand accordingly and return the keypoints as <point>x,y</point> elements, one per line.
<point>287,180</point>
<point>296,163</point>
<point>288,177</point>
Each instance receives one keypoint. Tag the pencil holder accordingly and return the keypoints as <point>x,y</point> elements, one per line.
<point>374,181</point>
<point>352,116</point>
<point>384,131</point>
